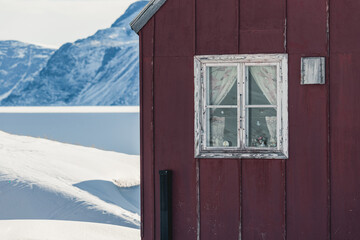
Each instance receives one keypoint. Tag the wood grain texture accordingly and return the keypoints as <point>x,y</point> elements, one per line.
<point>217,26</point>
<point>174,28</point>
<point>262,14</point>
<point>344,119</point>
<point>219,199</point>
<point>173,110</point>
<point>262,26</point>
<point>174,140</point>
<point>262,30</point>
<point>220,179</point>
<point>262,41</point>
<point>344,26</point>
<point>147,36</point>
<point>258,191</point>
<point>345,153</point>
<point>307,26</point>
<point>307,176</point>
<point>263,201</point>
<point>147,147</point>
<point>307,167</point>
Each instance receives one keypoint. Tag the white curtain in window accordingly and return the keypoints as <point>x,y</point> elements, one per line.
<point>221,81</point>
<point>271,124</point>
<point>217,131</point>
<point>265,77</point>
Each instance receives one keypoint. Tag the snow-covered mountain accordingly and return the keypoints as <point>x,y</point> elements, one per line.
<point>48,180</point>
<point>20,62</point>
<point>102,69</point>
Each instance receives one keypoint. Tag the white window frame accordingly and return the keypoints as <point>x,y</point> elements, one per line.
<point>241,61</point>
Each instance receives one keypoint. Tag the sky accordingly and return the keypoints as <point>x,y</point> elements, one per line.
<point>51,23</point>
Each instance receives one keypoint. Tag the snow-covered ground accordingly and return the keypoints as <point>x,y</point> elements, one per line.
<point>62,188</point>
<point>64,230</point>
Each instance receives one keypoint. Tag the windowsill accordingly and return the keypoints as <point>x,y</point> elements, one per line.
<point>243,154</point>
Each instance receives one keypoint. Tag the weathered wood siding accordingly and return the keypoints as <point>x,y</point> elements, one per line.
<point>307,168</point>
<point>312,195</point>
<point>262,30</point>
<point>345,119</point>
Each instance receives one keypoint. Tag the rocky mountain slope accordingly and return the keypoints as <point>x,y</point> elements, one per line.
<point>20,62</point>
<point>99,70</point>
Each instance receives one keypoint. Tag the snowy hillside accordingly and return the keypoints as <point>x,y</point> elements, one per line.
<point>20,62</point>
<point>47,180</point>
<point>102,69</point>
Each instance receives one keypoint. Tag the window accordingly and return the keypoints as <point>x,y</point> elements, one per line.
<point>241,106</point>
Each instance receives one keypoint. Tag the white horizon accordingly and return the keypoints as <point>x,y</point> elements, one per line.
<point>71,109</point>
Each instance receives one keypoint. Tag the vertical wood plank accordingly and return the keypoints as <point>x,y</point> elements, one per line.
<point>345,153</point>
<point>175,28</point>
<point>344,25</point>
<point>262,30</point>
<point>262,25</point>
<point>217,29</point>
<point>262,41</point>
<point>307,167</point>
<point>263,199</point>
<point>307,172</point>
<point>147,159</point>
<point>307,26</point>
<point>174,140</point>
<point>146,101</point>
<point>344,119</point>
<point>220,199</point>
<point>217,26</point>
<point>174,114</point>
<point>262,14</point>
<point>147,35</point>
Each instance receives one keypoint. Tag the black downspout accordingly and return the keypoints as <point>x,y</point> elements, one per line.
<point>165,205</point>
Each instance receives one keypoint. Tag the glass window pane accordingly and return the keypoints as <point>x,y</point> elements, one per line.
<point>261,85</point>
<point>222,127</point>
<point>222,85</point>
<point>261,127</point>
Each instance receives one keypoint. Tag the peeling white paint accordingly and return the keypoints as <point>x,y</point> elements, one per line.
<point>202,151</point>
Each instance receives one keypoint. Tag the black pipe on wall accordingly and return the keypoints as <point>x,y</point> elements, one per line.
<point>165,204</point>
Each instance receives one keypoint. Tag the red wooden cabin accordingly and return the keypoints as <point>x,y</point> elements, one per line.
<point>263,146</point>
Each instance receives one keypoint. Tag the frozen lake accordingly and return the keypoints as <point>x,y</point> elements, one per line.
<point>107,128</point>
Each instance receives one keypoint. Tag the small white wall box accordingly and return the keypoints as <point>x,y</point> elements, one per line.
<point>313,70</point>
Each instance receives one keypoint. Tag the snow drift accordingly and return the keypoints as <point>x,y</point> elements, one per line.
<point>48,180</point>
<point>64,230</point>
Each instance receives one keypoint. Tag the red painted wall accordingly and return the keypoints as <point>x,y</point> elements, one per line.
<point>315,194</point>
